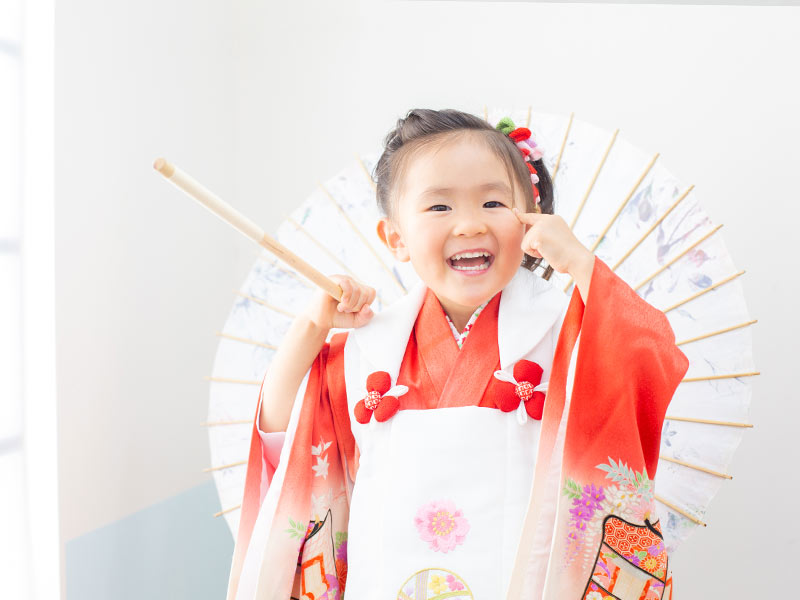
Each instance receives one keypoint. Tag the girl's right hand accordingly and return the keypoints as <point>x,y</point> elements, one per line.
<point>352,310</point>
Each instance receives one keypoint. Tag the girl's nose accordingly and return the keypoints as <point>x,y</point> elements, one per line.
<point>469,223</point>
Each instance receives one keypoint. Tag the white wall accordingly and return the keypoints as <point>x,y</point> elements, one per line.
<point>143,276</point>
<point>263,99</point>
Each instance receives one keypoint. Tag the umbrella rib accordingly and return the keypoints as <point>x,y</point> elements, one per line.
<point>713,333</point>
<point>363,239</point>
<point>679,510</point>
<point>332,256</point>
<point>297,276</point>
<point>594,180</point>
<point>563,145</point>
<point>696,467</point>
<point>367,173</point>
<point>707,421</point>
<point>266,304</point>
<point>319,244</point>
<point>671,262</point>
<point>625,202</point>
<point>652,227</point>
<point>723,376</point>
<point>231,380</point>
<point>245,340</point>
<point>701,292</point>
<point>222,467</point>
<point>227,510</point>
<point>622,205</point>
<point>238,422</point>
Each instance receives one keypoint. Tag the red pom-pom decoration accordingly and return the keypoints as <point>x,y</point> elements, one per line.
<point>524,390</point>
<point>520,133</point>
<point>372,400</point>
<point>526,370</point>
<point>535,406</point>
<point>506,398</point>
<point>379,381</point>
<point>387,408</point>
<point>528,375</point>
<point>384,407</point>
<point>363,414</point>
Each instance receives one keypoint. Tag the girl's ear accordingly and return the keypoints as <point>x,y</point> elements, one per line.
<point>392,239</point>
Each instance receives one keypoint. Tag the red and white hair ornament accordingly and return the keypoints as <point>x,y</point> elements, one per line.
<point>522,137</point>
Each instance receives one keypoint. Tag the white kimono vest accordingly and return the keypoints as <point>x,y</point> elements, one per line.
<point>440,494</point>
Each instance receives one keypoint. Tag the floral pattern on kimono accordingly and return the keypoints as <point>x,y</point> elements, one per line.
<point>626,372</point>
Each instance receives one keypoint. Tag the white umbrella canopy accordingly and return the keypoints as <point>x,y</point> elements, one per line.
<point>623,204</point>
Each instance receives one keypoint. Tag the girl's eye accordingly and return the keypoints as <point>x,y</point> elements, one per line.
<point>439,207</point>
<point>496,203</point>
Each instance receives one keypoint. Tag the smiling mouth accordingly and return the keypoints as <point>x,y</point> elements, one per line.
<point>471,262</point>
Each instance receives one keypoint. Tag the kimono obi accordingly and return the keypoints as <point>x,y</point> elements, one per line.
<point>442,486</point>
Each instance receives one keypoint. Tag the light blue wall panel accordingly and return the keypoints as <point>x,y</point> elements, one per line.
<point>172,550</point>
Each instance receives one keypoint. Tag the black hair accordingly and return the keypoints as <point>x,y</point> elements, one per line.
<point>422,127</point>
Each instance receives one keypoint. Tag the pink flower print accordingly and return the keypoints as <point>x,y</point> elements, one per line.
<point>583,508</point>
<point>333,588</point>
<point>697,256</point>
<point>341,553</point>
<point>656,549</point>
<point>454,584</point>
<point>441,525</point>
<point>593,496</point>
<point>641,507</point>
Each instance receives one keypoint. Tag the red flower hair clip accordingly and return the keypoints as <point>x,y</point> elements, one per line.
<point>381,398</point>
<point>524,391</point>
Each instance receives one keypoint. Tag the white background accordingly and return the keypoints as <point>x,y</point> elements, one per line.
<point>260,100</point>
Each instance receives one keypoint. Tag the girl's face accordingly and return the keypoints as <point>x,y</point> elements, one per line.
<point>456,199</point>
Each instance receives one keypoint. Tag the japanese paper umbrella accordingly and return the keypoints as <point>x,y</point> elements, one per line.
<point>622,203</point>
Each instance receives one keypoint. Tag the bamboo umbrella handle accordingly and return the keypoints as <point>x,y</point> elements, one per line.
<point>237,220</point>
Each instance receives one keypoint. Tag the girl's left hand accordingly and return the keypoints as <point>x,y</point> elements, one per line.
<point>549,237</point>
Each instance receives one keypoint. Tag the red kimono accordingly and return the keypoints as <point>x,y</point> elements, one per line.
<point>589,484</point>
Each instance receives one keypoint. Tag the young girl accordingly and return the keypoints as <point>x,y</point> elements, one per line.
<point>457,444</point>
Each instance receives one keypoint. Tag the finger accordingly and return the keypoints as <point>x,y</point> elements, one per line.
<point>365,296</point>
<point>357,300</point>
<point>347,290</point>
<point>530,245</point>
<point>528,218</point>
<point>532,251</point>
<point>361,316</point>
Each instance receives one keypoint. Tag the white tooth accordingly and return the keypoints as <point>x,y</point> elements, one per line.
<point>476,268</point>
<point>469,255</point>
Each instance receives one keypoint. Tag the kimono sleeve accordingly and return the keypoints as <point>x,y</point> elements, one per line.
<point>293,484</point>
<point>271,446</point>
<point>628,370</point>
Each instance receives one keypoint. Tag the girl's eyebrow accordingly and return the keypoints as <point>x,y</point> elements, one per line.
<point>492,185</point>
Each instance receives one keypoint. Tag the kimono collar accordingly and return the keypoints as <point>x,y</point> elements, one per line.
<point>529,306</point>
